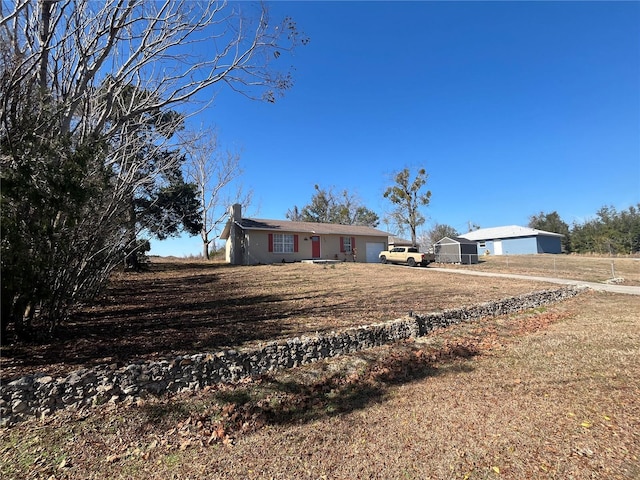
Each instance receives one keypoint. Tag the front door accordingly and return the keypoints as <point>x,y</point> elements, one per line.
<point>315,247</point>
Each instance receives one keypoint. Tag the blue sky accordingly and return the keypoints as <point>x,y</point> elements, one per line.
<point>512,108</point>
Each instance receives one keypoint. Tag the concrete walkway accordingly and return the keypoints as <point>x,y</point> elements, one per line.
<point>603,287</point>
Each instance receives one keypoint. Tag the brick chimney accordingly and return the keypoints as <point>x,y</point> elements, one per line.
<point>236,235</point>
<point>236,212</point>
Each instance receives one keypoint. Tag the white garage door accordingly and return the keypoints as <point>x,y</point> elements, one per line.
<point>373,249</point>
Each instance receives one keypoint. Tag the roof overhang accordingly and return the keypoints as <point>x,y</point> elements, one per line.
<point>511,231</point>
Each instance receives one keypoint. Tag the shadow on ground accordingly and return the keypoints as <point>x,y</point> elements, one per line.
<point>291,398</point>
<point>174,309</point>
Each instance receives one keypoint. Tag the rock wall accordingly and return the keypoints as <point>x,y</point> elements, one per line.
<point>40,395</point>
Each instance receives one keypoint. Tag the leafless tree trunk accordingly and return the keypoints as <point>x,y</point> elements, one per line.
<point>86,53</point>
<point>212,171</point>
<point>100,78</point>
<point>110,66</point>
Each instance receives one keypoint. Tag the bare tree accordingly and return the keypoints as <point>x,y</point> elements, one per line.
<point>213,171</point>
<point>86,53</point>
<point>98,62</point>
<point>90,93</point>
<point>106,69</point>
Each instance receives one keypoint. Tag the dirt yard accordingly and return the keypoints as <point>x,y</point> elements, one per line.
<point>550,393</point>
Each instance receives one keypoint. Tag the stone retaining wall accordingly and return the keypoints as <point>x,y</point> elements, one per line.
<point>41,395</point>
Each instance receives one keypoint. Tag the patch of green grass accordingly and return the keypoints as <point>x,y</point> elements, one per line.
<point>43,451</point>
<point>537,310</point>
<point>172,460</point>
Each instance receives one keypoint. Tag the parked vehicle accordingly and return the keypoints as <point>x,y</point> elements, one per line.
<point>409,255</point>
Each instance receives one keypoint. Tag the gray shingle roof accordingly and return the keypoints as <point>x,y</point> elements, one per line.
<point>399,241</point>
<point>450,240</point>
<point>310,227</point>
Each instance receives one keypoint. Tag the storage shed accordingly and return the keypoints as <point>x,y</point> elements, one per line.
<point>456,250</point>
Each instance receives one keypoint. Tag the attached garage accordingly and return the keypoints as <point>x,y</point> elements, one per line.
<point>254,241</point>
<point>373,250</point>
<point>456,250</point>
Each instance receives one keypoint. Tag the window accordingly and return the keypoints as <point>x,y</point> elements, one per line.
<point>482,244</point>
<point>283,243</point>
<point>347,244</point>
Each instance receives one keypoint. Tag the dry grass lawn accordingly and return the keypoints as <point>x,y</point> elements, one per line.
<point>577,267</point>
<point>550,393</point>
<point>183,307</point>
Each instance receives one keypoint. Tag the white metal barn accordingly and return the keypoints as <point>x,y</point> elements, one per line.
<point>515,240</point>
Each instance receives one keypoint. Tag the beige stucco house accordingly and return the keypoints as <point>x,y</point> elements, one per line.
<point>252,241</point>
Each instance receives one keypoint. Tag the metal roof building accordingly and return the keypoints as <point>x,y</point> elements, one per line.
<point>514,240</point>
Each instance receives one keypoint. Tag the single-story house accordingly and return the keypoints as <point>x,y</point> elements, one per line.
<point>456,250</point>
<point>252,241</point>
<point>515,240</point>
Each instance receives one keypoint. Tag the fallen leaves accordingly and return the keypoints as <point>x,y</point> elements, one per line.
<point>312,300</point>
<point>547,436</point>
<point>534,322</point>
<point>261,401</point>
<point>583,452</point>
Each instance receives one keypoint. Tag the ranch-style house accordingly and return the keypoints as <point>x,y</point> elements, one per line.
<point>252,241</point>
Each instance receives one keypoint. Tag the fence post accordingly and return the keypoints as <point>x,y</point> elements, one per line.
<point>613,270</point>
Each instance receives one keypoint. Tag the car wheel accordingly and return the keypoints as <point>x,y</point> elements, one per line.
<point>411,262</point>
<point>383,259</point>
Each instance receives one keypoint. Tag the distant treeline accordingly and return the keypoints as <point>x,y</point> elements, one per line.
<point>609,232</point>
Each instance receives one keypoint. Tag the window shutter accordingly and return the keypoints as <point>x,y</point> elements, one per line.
<point>271,242</point>
<point>295,243</point>
<point>341,244</point>
<point>353,244</point>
